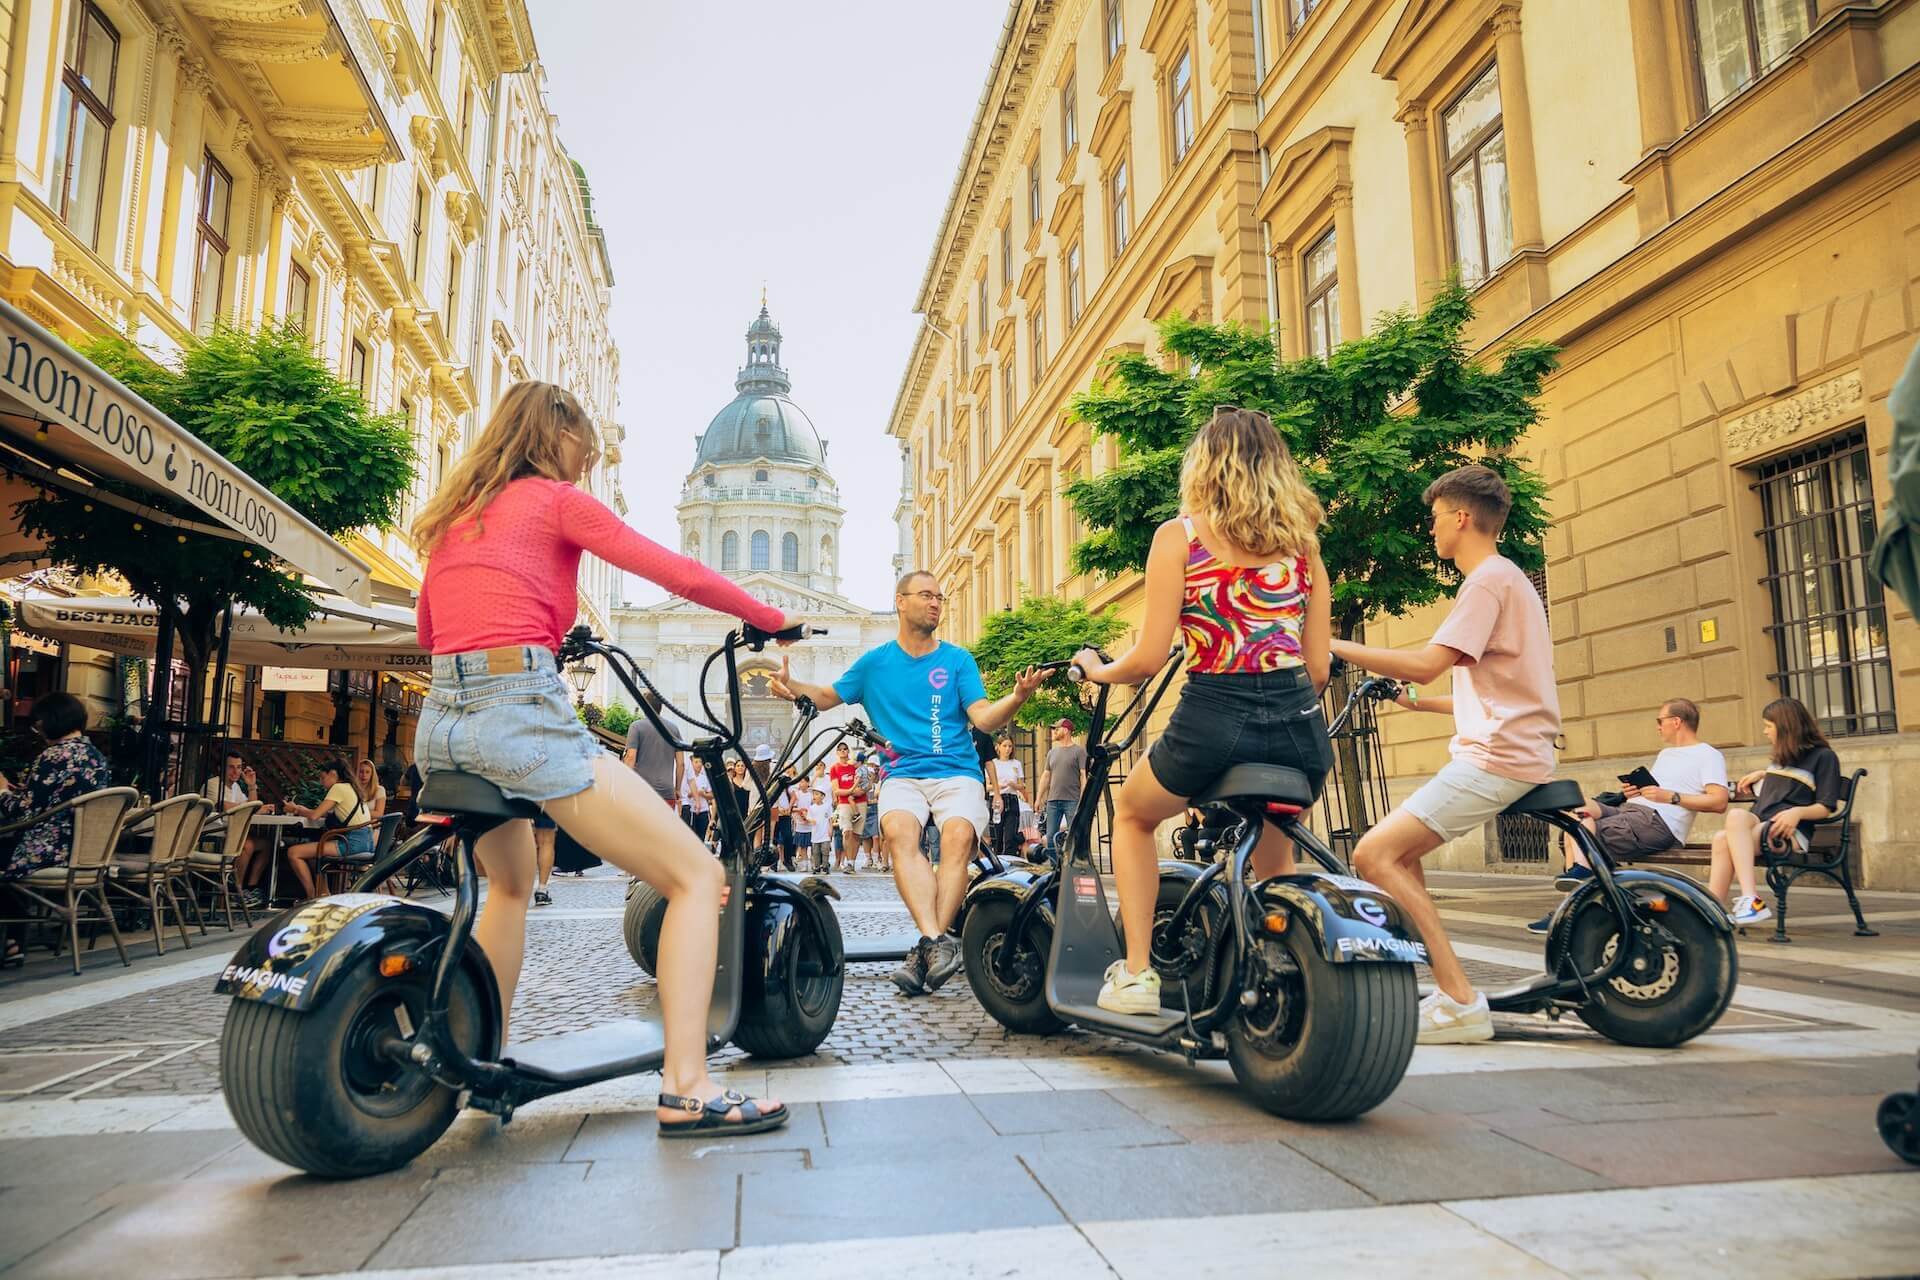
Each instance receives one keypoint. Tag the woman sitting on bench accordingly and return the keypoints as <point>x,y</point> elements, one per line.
<point>1801,783</point>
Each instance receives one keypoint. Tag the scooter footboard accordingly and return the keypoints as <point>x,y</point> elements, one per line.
<point>294,958</point>
<point>1352,921</point>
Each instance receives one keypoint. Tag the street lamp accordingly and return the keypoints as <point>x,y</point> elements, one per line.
<point>581,674</point>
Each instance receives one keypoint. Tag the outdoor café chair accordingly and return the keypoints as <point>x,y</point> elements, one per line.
<point>63,892</point>
<point>174,825</point>
<point>348,865</point>
<point>213,869</point>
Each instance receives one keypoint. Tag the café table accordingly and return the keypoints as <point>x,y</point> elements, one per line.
<point>278,823</point>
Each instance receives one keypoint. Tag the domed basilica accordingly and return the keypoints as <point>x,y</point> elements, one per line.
<point>760,506</point>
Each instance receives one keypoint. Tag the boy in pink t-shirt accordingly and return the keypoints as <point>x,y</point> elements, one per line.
<point>1506,716</point>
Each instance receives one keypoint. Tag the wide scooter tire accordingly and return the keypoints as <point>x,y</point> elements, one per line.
<point>1020,1004</point>
<point>310,1089</point>
<point>1693,988</point>
<point>1337,1047</point>
<point>646,908</point>
<point>792,1022</point>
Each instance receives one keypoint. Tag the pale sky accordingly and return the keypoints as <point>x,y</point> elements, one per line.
<point>810,146</point>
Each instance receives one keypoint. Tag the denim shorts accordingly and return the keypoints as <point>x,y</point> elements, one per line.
<point>1253,717</point>
<point>515,728</point>
<point>359,840</point>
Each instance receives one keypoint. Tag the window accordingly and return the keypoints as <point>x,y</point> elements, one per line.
<point>1321,266</point>
<point>729,550</point>
<point>1298,11</point>
<point>1037,340</point>
<point>453,288</point>
<point>1180,105</point>
<point>1069,117</point>
<point>466,117</point>
<point>1829,612</point>
<point>442,463</point>
<point>1072,270</point>
<point>1476,147</point>
<point>357,365</point>
<point>299,295</point>
<point>417,235</point>
<point>980,305</point>
<point>210,243</point>
<point>760,549</point>
<point>760,476</point>
<point>1738,41</point>
<point>964,364</point>
<point>1041,572</point>
<point>1008,403</point>
<point>1006,257</point>
<point>1116,31</point>
<point>436,36</point>
<point>1119,217</point>
<point>789,553</point>
<point>85,121</point>
<point>1033,192</point>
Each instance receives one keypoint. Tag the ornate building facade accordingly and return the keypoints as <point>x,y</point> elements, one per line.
<point>1729,267</point>
<point>760,506</point>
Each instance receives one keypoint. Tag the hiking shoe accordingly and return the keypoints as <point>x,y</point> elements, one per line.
<point>943,960</point>
<point>911,976</point>
<point>1540,925</point>
<point>1751,911</point>
<point>1443,1020</point>
<point>1132,993</point>
<point>541,898</point>
<point>1572,877</point>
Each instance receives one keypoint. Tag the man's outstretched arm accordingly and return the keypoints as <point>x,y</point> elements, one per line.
<point>990,717</point>
<point>785,686</point>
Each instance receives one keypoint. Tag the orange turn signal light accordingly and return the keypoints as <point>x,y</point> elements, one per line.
<point>395,965</point>
<point>1655,902</point>
<point>1276,921</point>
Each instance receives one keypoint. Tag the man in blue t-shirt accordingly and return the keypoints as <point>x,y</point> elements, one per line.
<point>924,695</point>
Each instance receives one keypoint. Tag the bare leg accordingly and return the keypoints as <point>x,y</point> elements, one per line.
<point>1743,843</point>
<point>1142,805</point>
<point>543,841</point>
<point>1273,856</point>
<point>1720,870</point>
<point>300,859</point>
<point>622,820</point>
<point>1389,855</point>
<point>506,855</point>
<point>950,878</point>
<point>912,873</point>
<point>1573,856</point>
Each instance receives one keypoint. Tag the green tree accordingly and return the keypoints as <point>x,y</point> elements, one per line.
<point>1370,426</point>
<point>618,718</point>
<point>1041,629</point>
<point>266,400</point>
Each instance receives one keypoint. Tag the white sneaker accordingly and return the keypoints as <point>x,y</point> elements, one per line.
<point>1443,1020</point>
<point>1751,911</point>
<point>1133,993</point>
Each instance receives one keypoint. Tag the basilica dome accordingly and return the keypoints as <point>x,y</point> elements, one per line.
<point>761,421</point>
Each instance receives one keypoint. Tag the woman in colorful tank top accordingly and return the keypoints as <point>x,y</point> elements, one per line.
<point>1240,574</point>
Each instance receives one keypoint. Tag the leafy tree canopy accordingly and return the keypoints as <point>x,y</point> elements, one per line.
<point>1370,426</point>
<point>1041,629</point>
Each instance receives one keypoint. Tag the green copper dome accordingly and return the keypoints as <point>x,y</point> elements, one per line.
<point>762,421</point>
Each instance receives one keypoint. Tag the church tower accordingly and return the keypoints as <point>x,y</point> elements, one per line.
<point>759,499</point>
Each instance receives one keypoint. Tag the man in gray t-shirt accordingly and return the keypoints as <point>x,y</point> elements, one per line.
<point>1060,782</point>
<point>652,756</point>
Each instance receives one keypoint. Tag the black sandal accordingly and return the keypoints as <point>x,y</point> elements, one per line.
<point>713,1116</point>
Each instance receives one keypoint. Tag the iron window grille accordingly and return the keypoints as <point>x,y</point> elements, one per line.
<point>1829,625</point>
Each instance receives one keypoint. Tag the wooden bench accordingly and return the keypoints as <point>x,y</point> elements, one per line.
<point>1830,843</point>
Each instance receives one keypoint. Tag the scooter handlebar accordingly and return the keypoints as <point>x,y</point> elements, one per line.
<point>756,639</point>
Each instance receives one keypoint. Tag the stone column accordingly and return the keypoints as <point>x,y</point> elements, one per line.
<point>1428,259</point>
<point>1516,114</point>
<point>157,154</point>
<point>1286,306</point>
<point>181,204</point>
<point>1346,243</point>
<point>1653,67</point>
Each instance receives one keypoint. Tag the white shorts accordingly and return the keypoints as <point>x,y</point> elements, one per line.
<point>851,815</point>
<point>946,799</point>
<point>1462,798</point>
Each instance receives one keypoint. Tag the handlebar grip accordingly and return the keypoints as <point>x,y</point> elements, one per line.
<point>1075,673</point>
<point>756,639</point>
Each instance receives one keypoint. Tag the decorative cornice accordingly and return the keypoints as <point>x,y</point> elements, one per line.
<point>197,76</point>
<point>282,45</point>
<point>246,10</point>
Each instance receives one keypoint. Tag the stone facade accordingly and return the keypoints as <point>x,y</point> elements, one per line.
<point>1728,267</point>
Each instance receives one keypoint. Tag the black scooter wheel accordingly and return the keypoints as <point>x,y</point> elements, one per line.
<point>314,1090</point>
<point>1899,1121</point>
<point>1017,1002</point>
<point>1326,1041</point>
<point>1676,997</point>
<point>646,908</point>
<point>788,1014</point>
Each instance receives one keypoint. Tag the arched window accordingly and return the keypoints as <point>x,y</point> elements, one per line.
<point>761,547</point>
<point>790,553</point>
<point>730,550</point>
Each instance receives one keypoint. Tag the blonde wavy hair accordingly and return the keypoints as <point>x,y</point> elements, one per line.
<point>1240,475</point>
<point>522,438</point>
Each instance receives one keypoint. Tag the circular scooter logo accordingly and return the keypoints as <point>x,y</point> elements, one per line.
<point>1370,911</point>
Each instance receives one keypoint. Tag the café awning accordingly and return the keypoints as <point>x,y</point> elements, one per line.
<point>349,637</point>
<point>66,424</point>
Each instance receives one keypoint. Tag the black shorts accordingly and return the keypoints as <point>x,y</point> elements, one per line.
<point>1262,717</point>
<point>1627,831</point>
<point>541,822</point>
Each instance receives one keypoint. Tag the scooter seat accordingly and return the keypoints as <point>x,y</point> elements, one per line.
<point>450,791</point>
<point>1550,797</point>
<point>1271,782</point>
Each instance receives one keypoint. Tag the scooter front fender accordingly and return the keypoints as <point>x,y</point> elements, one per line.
<point>294,958</point>
<point>1639,883</point>
<point>776,923</point>
<point>1351,921</point>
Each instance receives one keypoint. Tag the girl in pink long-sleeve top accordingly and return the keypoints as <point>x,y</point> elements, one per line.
<point>502,540</point>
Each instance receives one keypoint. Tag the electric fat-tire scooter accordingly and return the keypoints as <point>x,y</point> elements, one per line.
<point>1303,982</point>
<point>359,1022</point>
